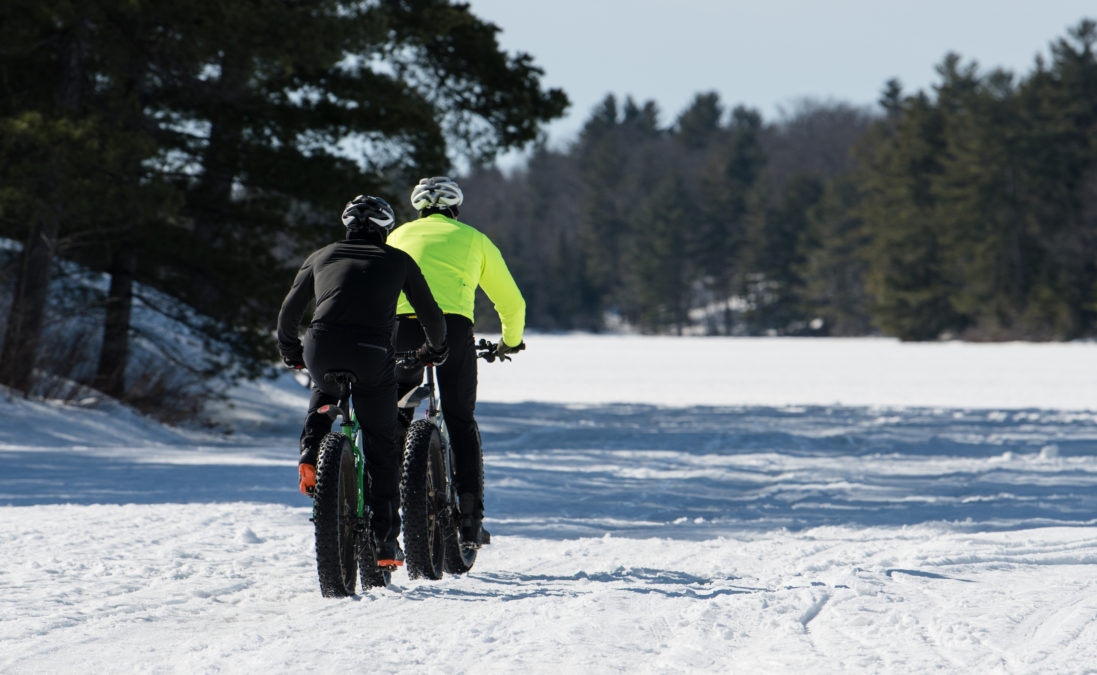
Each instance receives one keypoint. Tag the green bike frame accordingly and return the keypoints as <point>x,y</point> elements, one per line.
<point>353,431</point>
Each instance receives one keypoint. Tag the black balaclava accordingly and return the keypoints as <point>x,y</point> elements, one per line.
<point>367,235</point>
<point>448,211</point>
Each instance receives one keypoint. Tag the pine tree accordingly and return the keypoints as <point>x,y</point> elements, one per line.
<point>907,276</point>
<point>832,265</point>
<point>603,163</point>
<point>774,288</point>
<point>700,123</point>
<point>728,184</point>
<point>659,274</point>
<point>977,198</point>
<point>47,141</point>
<point>224,142</point>
<point>1058,140</point>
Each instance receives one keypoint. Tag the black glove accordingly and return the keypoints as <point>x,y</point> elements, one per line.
<point>502,349</point>
<point>427,354</point>
<point>294,358</point>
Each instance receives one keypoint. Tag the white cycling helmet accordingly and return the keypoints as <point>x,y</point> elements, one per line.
<point>436,193</point>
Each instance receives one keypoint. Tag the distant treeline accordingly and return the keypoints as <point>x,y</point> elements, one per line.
<point>969,211</point>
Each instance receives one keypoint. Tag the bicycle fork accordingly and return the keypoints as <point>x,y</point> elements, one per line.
<point>434,414</point>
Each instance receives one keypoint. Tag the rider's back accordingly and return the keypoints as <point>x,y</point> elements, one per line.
<point>355,284</point>
<point>455,258</point>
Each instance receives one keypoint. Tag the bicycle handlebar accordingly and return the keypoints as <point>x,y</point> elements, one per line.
<point>408,360</point>
<point>485,349</point>
<point>488,351</point>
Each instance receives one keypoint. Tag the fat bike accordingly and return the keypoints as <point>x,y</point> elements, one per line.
<point>345,546</point>
<point>431,519</point>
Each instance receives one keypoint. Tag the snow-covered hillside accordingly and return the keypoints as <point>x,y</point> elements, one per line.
<point>657,505</point>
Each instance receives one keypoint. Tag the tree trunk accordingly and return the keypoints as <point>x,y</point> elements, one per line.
<point>28,306</point>
<point>111,375</point>
<point>212,200</point>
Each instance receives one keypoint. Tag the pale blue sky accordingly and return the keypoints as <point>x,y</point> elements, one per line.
<point>765,53</point>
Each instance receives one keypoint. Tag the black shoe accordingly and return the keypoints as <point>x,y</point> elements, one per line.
<point>385,522</point>
<point>474,535</point>
<point>470,508</point>
<point>389,554</point>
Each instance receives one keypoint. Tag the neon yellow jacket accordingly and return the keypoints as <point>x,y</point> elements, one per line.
<point>456,258</point>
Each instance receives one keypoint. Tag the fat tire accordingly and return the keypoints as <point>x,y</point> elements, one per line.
<point>335,516</point>
<point>423,490</point>
<point>460,558</point>
<point>372,575</point>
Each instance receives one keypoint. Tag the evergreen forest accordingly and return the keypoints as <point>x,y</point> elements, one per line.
<point>191,154</point>
<point>965,212</point>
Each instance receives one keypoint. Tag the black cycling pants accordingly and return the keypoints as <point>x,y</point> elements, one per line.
<point>374,399</point>
<point>457,387</point>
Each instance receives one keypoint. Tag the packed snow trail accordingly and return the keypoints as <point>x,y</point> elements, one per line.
<point>803,532</point>
<point>231,588</point>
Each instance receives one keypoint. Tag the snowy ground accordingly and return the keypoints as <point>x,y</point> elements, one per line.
<point>657,505</point>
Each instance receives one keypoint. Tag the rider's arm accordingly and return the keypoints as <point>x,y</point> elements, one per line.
<point>293,307</point>
<point>500,288</point>
<point>422,300</point>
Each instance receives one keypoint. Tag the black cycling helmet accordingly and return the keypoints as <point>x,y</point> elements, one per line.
<point>365,214</point>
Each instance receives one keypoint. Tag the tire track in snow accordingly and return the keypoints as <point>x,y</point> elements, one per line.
<point>811,612</point>
<point>1050,628</point>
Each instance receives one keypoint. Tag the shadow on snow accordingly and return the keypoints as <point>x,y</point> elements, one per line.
<point>560,471</point>
<point>642,580</point>
<point>693,472</point>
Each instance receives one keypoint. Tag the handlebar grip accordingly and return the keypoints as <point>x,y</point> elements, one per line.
<point>488,350</point>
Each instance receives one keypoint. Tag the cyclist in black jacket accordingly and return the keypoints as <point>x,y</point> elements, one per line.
<point>355,284</point>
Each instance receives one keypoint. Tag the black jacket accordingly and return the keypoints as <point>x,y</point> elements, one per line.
<point>356,284</point>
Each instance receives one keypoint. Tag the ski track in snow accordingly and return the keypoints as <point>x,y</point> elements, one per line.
<point>650,537</point>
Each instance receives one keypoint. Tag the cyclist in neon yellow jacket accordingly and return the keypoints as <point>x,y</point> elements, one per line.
<point>455,259</point>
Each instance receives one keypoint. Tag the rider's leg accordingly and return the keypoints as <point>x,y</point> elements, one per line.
<point>408,336</point>
<point>317,425</point>
<point>318,351</point>
<point>457,384</point>
<point>375,405</point>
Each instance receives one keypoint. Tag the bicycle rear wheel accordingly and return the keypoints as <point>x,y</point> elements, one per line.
<point>459,557</point>
<point>335,514</point>
<point>423,491</point>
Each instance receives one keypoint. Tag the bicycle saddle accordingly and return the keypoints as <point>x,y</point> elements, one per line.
<point>340,377</point>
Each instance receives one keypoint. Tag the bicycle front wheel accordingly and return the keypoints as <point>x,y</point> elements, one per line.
<point>423,494</point>
<point>335,513</point>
